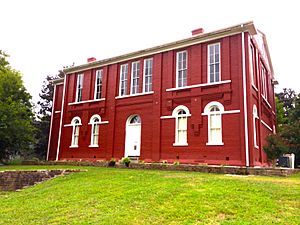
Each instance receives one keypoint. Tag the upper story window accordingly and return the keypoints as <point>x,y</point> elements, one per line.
<point>148,63</point>
<point>264,81</point>
<point>123,79</point>
<point>76,123</point>
<point>79,86</point>
<point>181,69</point>
<point>98,84</point>
<point>135,76</point>
<point>251,65</point>
<point>214,74</point>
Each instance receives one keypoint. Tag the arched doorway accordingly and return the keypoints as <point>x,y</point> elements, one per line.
<point>133,136</point>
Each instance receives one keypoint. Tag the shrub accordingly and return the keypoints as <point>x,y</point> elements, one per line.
<point>126,161</point>
<point>112,162</point>
<point>275,147</point>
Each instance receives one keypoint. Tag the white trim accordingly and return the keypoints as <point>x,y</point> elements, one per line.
<point>73,146</point>
<point>138,76</point>
<point>57,111</point>
<point>245,101</point>
<point>98,73</point>
<point>144,75</point>
<point>61,119</point>
<point>198,85</point>
<point>93,146</point>
<point>138,94</point>
<point>208,62</point>
<point>266,125</point>
<point>224,112</point>
<point>255,117</point>
<point>50,131</point>
<point>180,144</point>
<point>167,117</point>
<point>255,88</point>
<point>86,101</point>
<point>177,66</point>
<point>214,143</point>
<point>266,100</point>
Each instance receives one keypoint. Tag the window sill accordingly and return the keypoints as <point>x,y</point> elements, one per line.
<point>254,87</point>
<point>180,144</point>
<point>214,143</point>
<point>268,104</point>
<point>73,146</point>
<point>198,85</point>
<point>87,101</point>
<point>93,146</point>
<point>134,95</point>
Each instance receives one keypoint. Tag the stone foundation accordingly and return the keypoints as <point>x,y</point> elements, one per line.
<point>14,180</point>
<point>263,171</point>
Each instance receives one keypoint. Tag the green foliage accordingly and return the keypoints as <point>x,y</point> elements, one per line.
<point>275,147</point>
<point>280,114</point>
<point>126,161</point>
<point>42,124</point>
<point>118,196</point>
<point>16,115</point>
<point>287,140</point>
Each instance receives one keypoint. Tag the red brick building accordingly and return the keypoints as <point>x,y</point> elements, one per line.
<point>205,99</point>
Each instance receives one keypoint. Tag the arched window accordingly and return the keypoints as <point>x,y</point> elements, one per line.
<point>214,112</point>
<point>76,122</point>
<point>255,117</point>
<point>95,122</point>
<point>135,120</point>
<point>180,113</point>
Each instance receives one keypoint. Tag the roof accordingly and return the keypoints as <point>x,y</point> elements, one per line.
<point>200,38</point>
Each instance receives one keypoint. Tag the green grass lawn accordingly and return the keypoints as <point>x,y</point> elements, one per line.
<point>124,196</point>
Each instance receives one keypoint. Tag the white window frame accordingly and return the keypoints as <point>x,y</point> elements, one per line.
<point>180,68</point>
<point>135,76</point>
<point>75,137</point>
<point>251,69</point>
<point>264,81</point>
<point>93,128</point>
<point>255,117</point>
<point>177,117</point>
<point>213,63</point>
<point>123,78</point>
<point>148,67</point>
<point>79,87</point>
<point>207,112</point>
<point>99,73</point>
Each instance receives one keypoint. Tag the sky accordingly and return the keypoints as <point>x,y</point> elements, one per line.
<point>42,37</point>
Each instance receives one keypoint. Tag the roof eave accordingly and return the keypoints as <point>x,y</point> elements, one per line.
<point>244,27</point>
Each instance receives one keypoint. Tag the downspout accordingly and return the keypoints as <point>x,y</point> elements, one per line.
<point>245,101</point>
<point>52,114</point>
<point>61,118</point>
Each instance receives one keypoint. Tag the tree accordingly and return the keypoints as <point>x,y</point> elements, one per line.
<point>287,140</point>
<point>42,123</point>
<point>16,115</point>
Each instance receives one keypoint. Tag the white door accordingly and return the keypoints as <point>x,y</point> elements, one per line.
<point>133,136</point>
